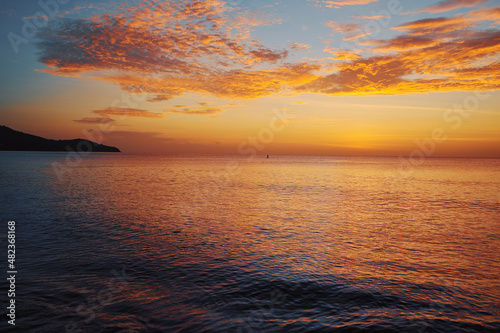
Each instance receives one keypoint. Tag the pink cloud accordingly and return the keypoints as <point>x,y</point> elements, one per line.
<point>448,5</point>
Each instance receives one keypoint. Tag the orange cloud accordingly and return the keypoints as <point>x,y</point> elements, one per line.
<point>430,57</point>
<point>201,108</point>
<point>434,26</point>
<point>400,43</point>
<point>486,14</point>
<point>196,111</point>
<point>174,48</point>
<point>94,120</point>
<point>232,84</point>
<point>449,5</point>
<point>162,38</point>
<point>127,112</point>
<point>163,49</point>
<point>340,54</point>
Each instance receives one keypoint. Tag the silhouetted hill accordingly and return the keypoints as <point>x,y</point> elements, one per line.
<point>15,140</point>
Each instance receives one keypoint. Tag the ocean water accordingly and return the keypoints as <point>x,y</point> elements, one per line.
<point>153,243</point>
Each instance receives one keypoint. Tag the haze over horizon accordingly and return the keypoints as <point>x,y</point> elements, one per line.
<point>311,77</point>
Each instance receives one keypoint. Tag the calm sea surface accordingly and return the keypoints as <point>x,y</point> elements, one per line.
<point>130,243</point>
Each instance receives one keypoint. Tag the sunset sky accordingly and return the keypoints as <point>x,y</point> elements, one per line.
<point>351,77</point>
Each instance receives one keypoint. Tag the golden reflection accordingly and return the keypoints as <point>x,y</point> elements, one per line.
<point>307,218</point>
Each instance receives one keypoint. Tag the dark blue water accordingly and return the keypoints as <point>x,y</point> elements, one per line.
<point>124,243</point>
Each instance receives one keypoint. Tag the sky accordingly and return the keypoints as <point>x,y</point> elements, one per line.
<point>307,77</point>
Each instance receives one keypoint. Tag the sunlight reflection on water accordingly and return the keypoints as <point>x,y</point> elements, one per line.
<point>281,244</point>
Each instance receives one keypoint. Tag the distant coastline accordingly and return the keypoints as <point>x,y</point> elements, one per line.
<point>12,140</point>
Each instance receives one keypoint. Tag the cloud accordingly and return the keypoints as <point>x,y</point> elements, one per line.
<point>196,111</point>
<point>371,18</point>
<point>339,3</point>
<point>433,55</point>
<point>171,48</point>
<point>205,110</point>
<point>436,26</point>
<point>168,50</point>
<point>169,38</point>
<point>448,5</point>
<point>265,54</point>
<point>94,120</point>
<point>352,31</point>
<point>486,14</point>
<point>299,46</point>
<point>340,54</point>
<point>244,84</point>
<point>201,108</point>
<point>127,112</point>
<point>401,43</point>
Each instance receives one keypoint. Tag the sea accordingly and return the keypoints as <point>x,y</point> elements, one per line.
<point>112,242</point>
